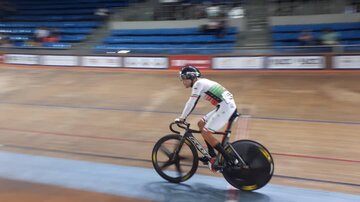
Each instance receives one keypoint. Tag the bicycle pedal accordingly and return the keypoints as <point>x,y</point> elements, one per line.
<point>220,169</point>
<point>204,160</point>
<point>216,169</point>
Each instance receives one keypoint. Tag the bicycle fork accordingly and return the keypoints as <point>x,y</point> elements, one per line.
<point>178,148</point>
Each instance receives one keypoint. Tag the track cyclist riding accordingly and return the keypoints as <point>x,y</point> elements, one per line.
<point>224,104</point>
<point>245,164</point>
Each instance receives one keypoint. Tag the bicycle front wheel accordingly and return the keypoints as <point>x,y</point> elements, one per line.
<point>174,167</point>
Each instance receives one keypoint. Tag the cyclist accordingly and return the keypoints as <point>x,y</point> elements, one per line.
<point>224,104</point>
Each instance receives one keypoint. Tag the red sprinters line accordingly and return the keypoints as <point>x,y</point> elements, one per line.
<point>77,135</point>
<point>153,142</point>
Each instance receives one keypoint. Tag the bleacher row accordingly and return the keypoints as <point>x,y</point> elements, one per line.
<point>287,35</point>
<point>177,40</point>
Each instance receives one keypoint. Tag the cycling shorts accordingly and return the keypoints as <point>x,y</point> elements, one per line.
<point>219,117</point>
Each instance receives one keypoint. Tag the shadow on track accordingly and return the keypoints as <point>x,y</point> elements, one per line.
<point>201,192</point>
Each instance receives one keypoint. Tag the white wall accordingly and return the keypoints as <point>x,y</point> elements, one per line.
<point>314,19</point>
<point>240,23</point>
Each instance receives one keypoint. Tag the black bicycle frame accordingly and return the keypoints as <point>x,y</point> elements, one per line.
<point>189,136</point>
<point>196,143</point>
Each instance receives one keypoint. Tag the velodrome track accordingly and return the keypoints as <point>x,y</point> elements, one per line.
<point>93,130</point>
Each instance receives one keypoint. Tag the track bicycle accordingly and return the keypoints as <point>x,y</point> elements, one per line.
<point>175,158</point>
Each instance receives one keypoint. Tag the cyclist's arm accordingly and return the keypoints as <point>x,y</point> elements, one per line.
<point>194,98</point>
<point>189,106</point>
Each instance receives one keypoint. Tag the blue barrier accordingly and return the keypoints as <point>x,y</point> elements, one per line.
<point>72,38</point>
<point>52,18</point>
<point>73,5</point>
<point>44,45</point>
<point>164,46</point>
<point>56,45</point>
<point>59,12</point>
<point>31,30</point>
<point>170,39</point>
<point>63,38</point>
<point>170,31</point>
<point>168,48</point>
<point>48,24</point>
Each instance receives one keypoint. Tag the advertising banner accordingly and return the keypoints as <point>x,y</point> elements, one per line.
<point>21,59</point>
<point>98,61</point>
<point>346,62</point>
<point>59,60</point>
<point>199,61</point>
<point>238,63</point>
<point>296,62</point>
<point>146,62</point>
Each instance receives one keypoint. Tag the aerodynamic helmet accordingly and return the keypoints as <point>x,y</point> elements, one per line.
<point>189,72</point>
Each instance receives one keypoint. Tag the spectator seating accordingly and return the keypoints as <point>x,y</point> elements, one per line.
<point>19,33</point>
<point>169,41</point>
<point>287,35</point>
<point>73,20</point>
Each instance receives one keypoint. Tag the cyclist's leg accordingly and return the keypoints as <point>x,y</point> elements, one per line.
<point>215,122</point>
<point>208,136</point>
<point>201,125</point>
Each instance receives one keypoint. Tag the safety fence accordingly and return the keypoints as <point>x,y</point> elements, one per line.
<point>217,62</point>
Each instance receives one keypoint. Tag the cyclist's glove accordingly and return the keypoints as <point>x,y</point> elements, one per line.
<point>179,120</point>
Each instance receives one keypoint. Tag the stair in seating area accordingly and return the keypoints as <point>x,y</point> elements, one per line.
<point>118,14</point>
<point>257,33</point>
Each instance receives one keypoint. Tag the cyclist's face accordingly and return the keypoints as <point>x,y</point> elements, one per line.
<point>186,82</point>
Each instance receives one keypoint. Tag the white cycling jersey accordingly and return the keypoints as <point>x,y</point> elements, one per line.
<point>218,96</point>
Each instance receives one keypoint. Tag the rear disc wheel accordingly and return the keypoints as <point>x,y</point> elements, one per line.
<point>260,166</point>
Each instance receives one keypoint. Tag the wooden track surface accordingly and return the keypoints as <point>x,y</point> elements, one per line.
<point>18,191</point>
<point>309,122</point>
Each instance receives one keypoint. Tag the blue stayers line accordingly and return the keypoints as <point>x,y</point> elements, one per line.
<point>172,112</point>
<point>317,180</point>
